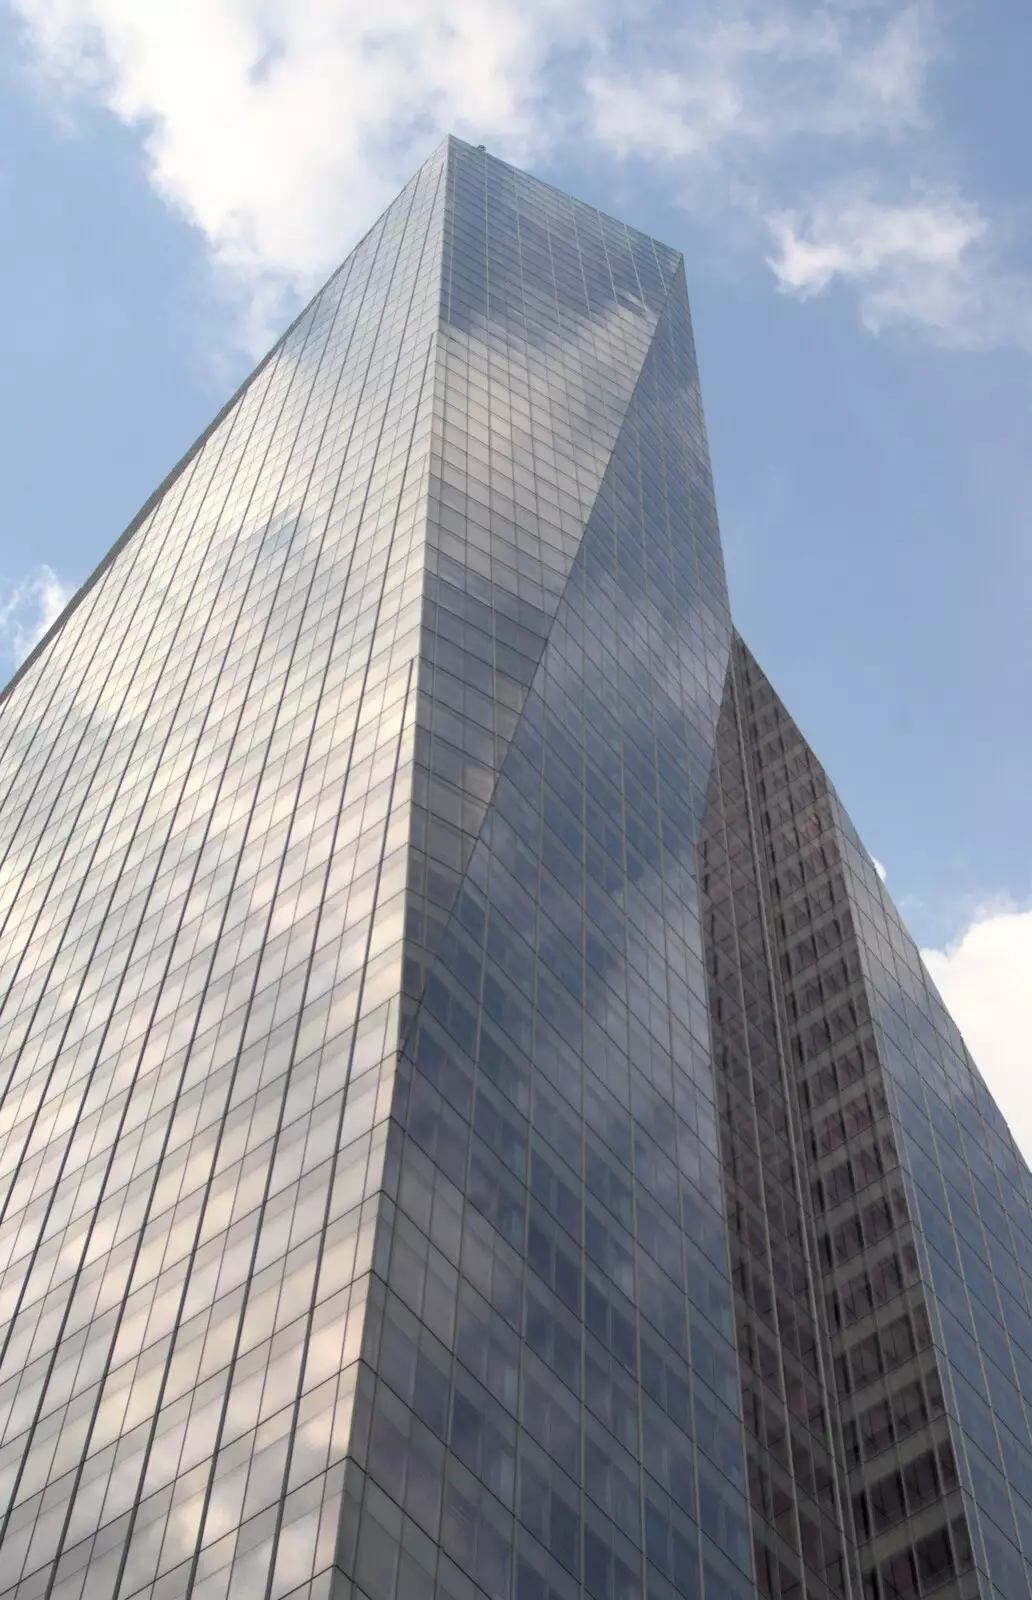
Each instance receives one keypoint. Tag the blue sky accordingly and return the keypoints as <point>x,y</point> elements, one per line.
<point>849,182</point>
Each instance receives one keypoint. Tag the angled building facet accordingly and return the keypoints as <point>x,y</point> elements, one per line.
<point>472,1123</point>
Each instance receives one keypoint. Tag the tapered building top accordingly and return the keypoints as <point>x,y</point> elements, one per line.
<point>472,1122</point>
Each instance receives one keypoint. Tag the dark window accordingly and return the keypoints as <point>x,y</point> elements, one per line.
<point>934,1558</point>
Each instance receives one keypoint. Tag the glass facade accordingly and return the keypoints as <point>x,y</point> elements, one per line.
<point>472,1123</point>
<point>856,1468</point>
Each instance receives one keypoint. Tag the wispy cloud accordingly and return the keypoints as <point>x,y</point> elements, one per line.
<point>298,120</point>
<point>734,80</point>
<point>927,260</point>
<point>27,609</point>
<point>985,978</point>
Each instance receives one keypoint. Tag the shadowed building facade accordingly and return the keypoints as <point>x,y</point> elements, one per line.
<point>472,1122</point>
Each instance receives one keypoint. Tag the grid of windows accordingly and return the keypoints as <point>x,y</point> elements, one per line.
<point>204,827</point>
<point>971,1198</point>
<point>913,1198</point>
<point>553,1236</point>
<point>896,1471</point>
<point>472,1124</point>
<point>548,309</point>
<point>800,1544</point>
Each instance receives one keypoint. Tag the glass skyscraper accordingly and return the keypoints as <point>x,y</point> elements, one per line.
<point>472,1123</point>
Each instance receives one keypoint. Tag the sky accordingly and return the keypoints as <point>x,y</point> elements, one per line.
<point>849,183</point>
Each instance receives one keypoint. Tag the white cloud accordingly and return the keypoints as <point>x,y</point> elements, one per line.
<point>985,979</point>
<point>280,128</point>
<point>862,238</point>
<point>926,260</point>
<point>27,609</point>
<point>879,869</point>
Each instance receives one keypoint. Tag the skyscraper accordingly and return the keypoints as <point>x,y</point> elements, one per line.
<point>473,1123</point>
